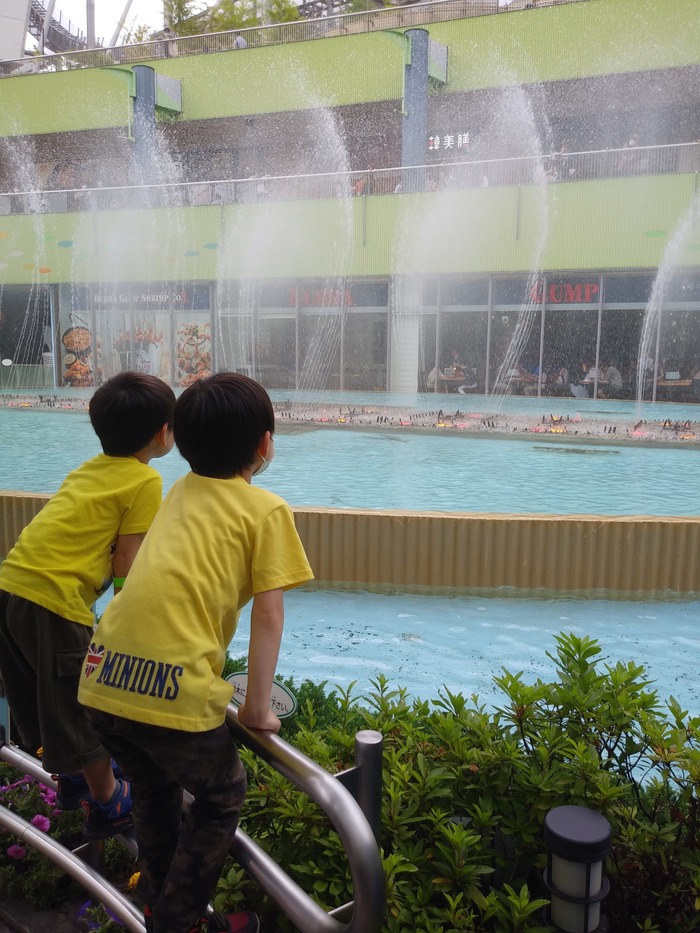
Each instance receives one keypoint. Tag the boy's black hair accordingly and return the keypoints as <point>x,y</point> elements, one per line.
<point>128,410</point>
<point>219,423</point>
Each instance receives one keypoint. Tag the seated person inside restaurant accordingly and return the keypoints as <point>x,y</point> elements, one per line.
<point>433,376</point>
<point>454,367</point>
<point>531,378</point>
<point>448,377</point>
<point>578,385</point>
<point>471,380</point>
<point>558,380</point>
<point>610,381</point>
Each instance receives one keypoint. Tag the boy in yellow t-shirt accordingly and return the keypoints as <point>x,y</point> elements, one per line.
<point>152,680</point>
<point>87,533</point>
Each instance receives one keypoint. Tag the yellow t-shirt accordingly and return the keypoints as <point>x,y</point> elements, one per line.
<point>160,647</point>
<point>63,558</point>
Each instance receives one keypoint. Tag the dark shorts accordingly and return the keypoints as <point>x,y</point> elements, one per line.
<point>41,657</point>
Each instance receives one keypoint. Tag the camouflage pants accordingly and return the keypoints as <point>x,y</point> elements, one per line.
<point>180,859</point>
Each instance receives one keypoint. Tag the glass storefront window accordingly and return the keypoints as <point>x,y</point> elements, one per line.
<point>236,343</point>
<point>22,348</point>
<point>627,289</point>
<point>570,337</point>
<point>319,350</point>
<point>619,348</point>
<point>19,304</point>
<point>514,364</point>
<point>511,292</point>
<point>275,356</point>
<point>426,350</point>
<point>463,348</point>
<point>334,334</point>
<point>465,293</point>
<point>503,326</point>
<point>679,342</point>
<point>278,296</point>
<point>367,295</point>
<point>364,350</point>
<point>684,286</point>
<point>429,293</point>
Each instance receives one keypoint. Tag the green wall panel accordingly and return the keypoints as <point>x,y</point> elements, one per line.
<point>611,224</point>
<point>92,98</point>
<point>622,223</point>
<point>297,76</point>
<point>570,41</point>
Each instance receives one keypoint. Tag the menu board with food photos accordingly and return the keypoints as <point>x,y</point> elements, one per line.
<point>77,354</point>
<point>193,352</point>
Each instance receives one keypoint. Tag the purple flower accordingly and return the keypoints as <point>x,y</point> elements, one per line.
<point>47,794</point>
<point>16,852</point>
<point>25,780</point>
<point>41,822</point>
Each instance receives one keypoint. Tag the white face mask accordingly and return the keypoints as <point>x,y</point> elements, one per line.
<point>265,462</point>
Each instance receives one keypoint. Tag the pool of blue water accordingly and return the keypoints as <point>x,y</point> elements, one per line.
<point>424,642</point>
<point>344,468</point>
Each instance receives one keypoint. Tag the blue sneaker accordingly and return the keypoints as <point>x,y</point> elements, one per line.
<point>108,819</point>
<point>73,789</point>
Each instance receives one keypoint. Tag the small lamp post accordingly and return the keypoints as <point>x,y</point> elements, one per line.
<point>577,841</point>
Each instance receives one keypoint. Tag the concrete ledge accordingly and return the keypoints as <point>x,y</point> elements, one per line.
<point>460,552</point>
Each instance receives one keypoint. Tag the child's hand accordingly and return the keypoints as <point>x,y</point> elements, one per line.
<point>268,721</point>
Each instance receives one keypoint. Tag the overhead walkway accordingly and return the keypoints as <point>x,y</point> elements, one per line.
<point>403,16</point>
<point>61,35</point>
<point>351,800</point>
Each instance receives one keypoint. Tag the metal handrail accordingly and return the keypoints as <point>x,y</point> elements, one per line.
<point>127,912</point>
<point>366,912</point>
<point>302,30</point>
<point>70,862</point>
<point>344,812</point>
<point>552,168</point>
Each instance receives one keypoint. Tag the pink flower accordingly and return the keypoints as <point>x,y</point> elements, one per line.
<point>48,795</point>
<point>41,822</point>
<point>16,852</point>
<point>20,783</point>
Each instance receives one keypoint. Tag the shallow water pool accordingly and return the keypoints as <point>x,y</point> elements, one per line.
<point>423,642</point>
<point>345,468</point>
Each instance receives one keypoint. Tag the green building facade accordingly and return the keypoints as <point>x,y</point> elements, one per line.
<point>263,209</point>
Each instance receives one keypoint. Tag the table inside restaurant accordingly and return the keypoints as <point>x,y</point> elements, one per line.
<point>450,383</point>
<point>674,389</point>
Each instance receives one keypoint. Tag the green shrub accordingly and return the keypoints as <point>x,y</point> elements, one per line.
<point>467,787</point>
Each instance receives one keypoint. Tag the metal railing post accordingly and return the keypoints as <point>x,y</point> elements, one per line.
<point>366,912</point>
<point>369,752</point>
